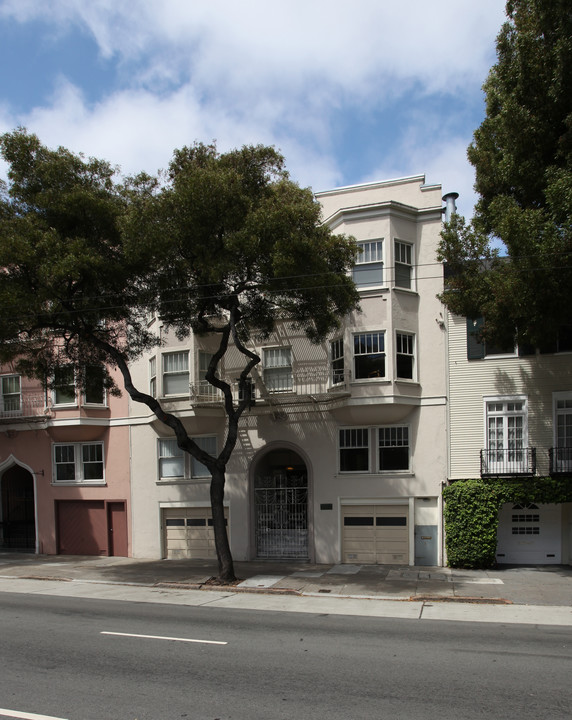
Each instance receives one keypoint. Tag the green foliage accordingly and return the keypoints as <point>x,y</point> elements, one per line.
<point>522,154</point>
<point>471,513</point>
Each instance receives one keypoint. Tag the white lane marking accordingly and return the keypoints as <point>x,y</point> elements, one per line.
<point>27,716</point>
<point>162,637</point>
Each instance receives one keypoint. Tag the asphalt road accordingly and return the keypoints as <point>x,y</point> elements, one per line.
<point>81,659</point>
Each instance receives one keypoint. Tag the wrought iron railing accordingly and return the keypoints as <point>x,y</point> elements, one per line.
<point>516,461</point>
<point>560,460</point>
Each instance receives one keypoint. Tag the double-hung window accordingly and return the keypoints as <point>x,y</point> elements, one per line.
<point>506,450</point>
<point>278,369</point>
<point>405,355</point>
<point>176,373</point>
<point>173,464</point>
<point>64,386</point>
<point>153,377</point>
<point>10,395</point>
<point>208,444</point>
<point>337,360</point>
<point>393,448</point>
<point>94,391</point>
<point>369,355</point>
<point>354,450</point>
<point>562,452</point>
<point>78,463</point>
<point>403,264</point>
<point>368,269</point>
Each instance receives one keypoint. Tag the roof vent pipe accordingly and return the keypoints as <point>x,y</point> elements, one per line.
<point>450,205</point>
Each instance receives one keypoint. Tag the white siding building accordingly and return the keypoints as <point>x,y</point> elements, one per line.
<point>343,454</point>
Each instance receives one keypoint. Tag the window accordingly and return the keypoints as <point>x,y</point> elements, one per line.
<point>10,394</point>
<point>153,377</point>
<point>171,459</point>
<point>369,355</point>
<point>506,436</point>
<point>393,448</point>
<point>64,386</point>
<point>562,452</point>
<point>176,373</point>
<point>208,444</point>
<point>368,270</point>
<point>206,390</point>
<point>477,348</point>
<point>404,356</point>
<point>78,463</point>
<point>354,450</point>
<point>94,391</point>
<point>403,264</point>
<point>278,369</point>
<point>173,463</point>
<point>337,356</point>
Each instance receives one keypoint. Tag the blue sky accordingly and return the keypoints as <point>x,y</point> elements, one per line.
<point>349,92</point>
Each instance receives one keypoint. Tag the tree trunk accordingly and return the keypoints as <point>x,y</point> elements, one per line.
<point>224,557</point>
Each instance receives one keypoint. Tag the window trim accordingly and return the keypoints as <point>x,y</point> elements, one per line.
<point>72,403</point>
<point>505,399</point>
<point>371,376</point>
<point>189,463</point>
<point>11,412</point>
<point>173,373</point>
<point>412,355</point>
<point>79,463</point>
<point>375,264</point>
<point>404,428</point>
<point>287,368</point>
<point>90,403</point>
<point>410,248</point>
<point>338,357</point>
<point>367,433</point>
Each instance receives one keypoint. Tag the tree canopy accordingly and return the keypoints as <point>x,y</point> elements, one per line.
<point>522,154</point>
<point>223,244</point>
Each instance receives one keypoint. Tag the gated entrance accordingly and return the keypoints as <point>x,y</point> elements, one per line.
<point>281,509</point>
<point>17,519</point>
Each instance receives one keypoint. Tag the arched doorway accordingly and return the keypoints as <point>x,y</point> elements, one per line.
<point>281,506</point>
<point>17,519</point>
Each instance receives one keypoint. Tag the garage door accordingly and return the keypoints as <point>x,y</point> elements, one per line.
<point>529,534</point>
<point>82,527</point>
<point>375,534</point>
<point>188,533</point>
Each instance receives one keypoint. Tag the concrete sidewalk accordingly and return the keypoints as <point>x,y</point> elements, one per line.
<point>541,594</point>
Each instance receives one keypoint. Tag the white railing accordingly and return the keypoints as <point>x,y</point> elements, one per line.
<point>22,405</point>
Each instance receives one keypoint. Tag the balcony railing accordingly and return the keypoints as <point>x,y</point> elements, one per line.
<point>519,461</point>
<point>22,406</point>
<point>560,460</point>
<point>277,387</point>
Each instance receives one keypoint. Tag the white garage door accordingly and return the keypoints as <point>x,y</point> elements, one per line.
<point>375,534</point>
<point>529,534</point>
<point>188,533</point>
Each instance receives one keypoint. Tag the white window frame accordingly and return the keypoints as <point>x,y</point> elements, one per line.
<point>90,403</point>
<point>357,439</point>
<point>361,341</point>
<point>562,409</point>
<point>337,362</point>
<point>516,460</point>
<point>399,437</point>
<point>7,408</point>
<point>403,257</point>
<point>70,403</point>
<point>277,369</point>
<point>181,372</point>
<point>153,376</point>
<point>191,468</point>
<point>369,262</point>
<point>407,351</point>
<point>79,464</point>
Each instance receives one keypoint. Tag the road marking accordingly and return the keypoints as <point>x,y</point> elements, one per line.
<point>162,637</point>
<point>27,716</point>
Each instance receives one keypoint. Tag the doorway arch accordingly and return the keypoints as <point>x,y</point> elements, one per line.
<point>17,511</point>
<point>281,506</point>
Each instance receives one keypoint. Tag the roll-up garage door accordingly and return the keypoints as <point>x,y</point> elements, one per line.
<point>375,534</point>
<point>188,533</point>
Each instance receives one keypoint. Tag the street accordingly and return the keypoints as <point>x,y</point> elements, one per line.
<point>81,659</point>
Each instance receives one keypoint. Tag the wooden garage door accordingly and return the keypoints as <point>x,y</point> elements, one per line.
<point>82,527</point>
<point>375,534</point>
<point>188,533</point>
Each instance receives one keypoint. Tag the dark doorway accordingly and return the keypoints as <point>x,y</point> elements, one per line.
<point>17,521</point>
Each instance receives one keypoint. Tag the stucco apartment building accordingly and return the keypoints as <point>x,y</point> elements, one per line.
<point>510,419</point>
<point>342,456</point>
<point>64,466</point>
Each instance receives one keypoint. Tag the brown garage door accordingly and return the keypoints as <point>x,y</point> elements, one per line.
<point>375,534</point>
<point>91,527</point>
<point>188,533</point>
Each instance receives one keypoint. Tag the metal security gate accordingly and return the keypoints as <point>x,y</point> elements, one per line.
<point>281,512</point>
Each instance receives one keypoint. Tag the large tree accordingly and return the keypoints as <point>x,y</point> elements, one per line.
<point>226,245</point>
<point>522,154</point>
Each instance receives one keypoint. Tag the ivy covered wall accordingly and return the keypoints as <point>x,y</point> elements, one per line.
<point>471,509</point>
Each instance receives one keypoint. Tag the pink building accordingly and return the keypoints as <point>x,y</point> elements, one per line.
<point>64,467</point>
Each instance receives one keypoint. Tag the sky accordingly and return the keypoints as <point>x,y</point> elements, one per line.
<point>348,92</point>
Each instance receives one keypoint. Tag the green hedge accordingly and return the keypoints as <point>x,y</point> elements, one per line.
<point>471,511</point>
